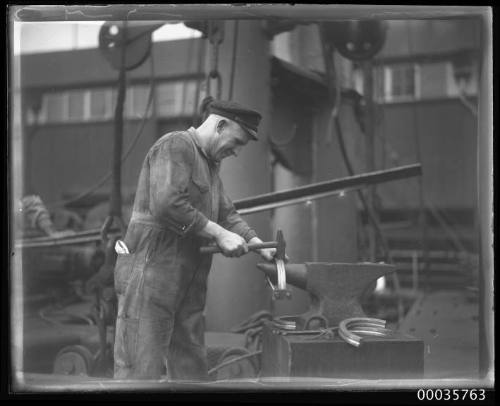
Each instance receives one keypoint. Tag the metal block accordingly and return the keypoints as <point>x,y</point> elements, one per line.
<point>396,357</point>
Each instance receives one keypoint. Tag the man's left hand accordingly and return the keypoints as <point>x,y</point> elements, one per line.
<point>266,253</point>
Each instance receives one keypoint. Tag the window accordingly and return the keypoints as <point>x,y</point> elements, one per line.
<point>55,106</point>
<point>30,117</point>
<point>401,82</point>
<point>190,104</point>
<point>76,105</point>
<point>392,83</point>
<point>100,104</point>
<point>137,101</point>
<point>178,98</point>
<point>462,78</point>
<point>433,80</point>
<point>169,99</point>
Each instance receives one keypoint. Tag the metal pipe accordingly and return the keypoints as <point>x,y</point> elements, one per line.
<point>322,189</point>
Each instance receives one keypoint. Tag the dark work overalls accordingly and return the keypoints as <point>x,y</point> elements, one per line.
<point>161,285</point>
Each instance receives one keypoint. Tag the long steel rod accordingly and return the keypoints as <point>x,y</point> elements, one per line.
<point>331,186</point>
<point>262,202</point>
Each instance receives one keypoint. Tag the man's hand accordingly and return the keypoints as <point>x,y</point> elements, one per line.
<point>266,253</point>
<point>231,244</point>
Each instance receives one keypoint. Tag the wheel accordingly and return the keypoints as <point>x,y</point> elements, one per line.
<point>244,368</point>
<point>74,360</point>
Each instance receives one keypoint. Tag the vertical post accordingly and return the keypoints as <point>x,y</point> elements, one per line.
<point>116,203</point>
<point>370,147</point>
<point>16,260</point>
<point>26,151</point>
<point>236,288</point>
<point>154,113</point>
<point>485,203</point>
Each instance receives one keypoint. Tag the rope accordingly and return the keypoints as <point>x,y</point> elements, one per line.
<point>216,37</point>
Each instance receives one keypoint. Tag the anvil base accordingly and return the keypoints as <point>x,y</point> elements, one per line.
<point>396,357</point>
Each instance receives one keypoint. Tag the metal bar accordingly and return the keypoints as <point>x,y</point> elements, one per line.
<point>53,242</point>
<point>267,201</point>
<point>331,186</point>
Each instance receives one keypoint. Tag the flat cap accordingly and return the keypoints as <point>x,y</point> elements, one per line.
<point>248,119</point>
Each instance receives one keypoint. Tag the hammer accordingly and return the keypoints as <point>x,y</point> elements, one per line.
<point>280,291</point>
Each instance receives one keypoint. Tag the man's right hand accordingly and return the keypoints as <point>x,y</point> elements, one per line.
<point>231,244</point>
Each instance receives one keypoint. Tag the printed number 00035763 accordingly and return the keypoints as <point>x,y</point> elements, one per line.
<point>451,394</point>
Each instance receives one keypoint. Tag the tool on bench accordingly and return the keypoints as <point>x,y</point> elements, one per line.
<point>280,291</point>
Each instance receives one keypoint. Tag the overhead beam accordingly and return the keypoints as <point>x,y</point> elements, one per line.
<point>182,12</point>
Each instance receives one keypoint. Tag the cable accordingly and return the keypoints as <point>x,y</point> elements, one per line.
<point>127,152</point>
<point>233,61</point>
<point>421,199</point>
<point>232,361</point>
<point>188,65</point>
<point>216,38</point>
<point>200,70</point>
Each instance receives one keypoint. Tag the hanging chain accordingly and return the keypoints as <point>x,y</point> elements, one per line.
<point>216,37</point>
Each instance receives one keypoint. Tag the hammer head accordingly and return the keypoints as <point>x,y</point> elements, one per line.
<point>280,248</point>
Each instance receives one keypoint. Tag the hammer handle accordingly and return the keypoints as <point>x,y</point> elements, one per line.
<point>251,247</point>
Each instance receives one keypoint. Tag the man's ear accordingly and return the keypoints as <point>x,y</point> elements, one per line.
<point>221,125</point>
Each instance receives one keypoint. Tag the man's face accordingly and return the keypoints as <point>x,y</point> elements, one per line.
<point>228,140</point>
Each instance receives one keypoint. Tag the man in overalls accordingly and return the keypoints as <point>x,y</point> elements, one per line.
<point>161,283</point>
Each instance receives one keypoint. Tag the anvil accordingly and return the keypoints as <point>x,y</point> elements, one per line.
<point>334,288</point>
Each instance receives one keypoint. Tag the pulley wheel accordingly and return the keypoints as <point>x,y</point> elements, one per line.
<point>116,36</point>
<point>74,360</point>
<point>357,40</point>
